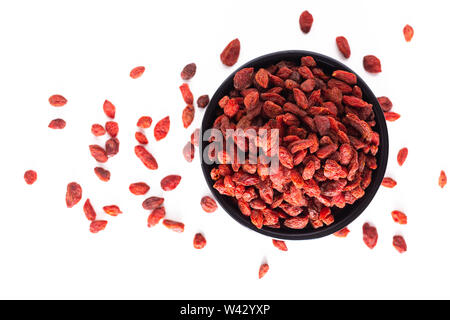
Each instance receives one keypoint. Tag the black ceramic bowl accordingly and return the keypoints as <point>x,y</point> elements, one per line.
<point>343,217</point>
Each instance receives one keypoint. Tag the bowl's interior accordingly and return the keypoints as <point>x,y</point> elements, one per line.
<point>344,216</point>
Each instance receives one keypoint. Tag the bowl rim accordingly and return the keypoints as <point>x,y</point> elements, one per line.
<point>358,207</point>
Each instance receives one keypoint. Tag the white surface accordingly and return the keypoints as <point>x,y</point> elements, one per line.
<point>85,50</point>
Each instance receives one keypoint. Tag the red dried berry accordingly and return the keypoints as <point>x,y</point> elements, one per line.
<point>170,182</point>
<point>262,78</point>
<point>230,54</point>
<point>243,79</point>
<point>189,152</point>
<point>146,157</point>
<point>152,203</point>
<point>399,244</point>
<point>186,93</point>
<point>30,177</point>
<point>112,210</point>
<point>188,71</point>
<point>74,194</point>
<point>370,235</point>
<point>141,138</point>
<point>112,128</point>
<point>89,211</point>
<point>199,241</point>
<point>391,116</point>
<point>389,183</point>
<point>372,64</point>
<point>385,104</point>
<point>144,122</point>
<point>280,245</point>
<point>174,225</point>
<point>195,137</point>
<point>399,217</point>
<point>263,269</point>
<point>442,179</point>
<point>97,226</point>
<point>98,130</point>
<point>57,100</point>
<point>188,115</point>
<point>208,204</point>
<point>402,155</point>
<point>162,128</point>
<point>306,20</point>
<point>342,233</point>
<point>343,46</point>
<point>137,72</point>
<point>57,124</point>
<point>98,153</point>
<point>112,147</point>
<point>203,101</point>
<point>139,188</point>
<point>345,76</point>
<point>102,174</point>
<point>156,216</point>
<point>109,109</point>
<point>408,33</point>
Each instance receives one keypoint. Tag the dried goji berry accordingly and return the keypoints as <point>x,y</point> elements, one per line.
<point>174,225</point>
<point>57,124</point>
<point>137,72</point>
<point>188,115</point>
<point>208,204</point>
<point>263,269</point>
<point>74,194</point>
<point>98,130</point>
<point>262,78</point>
<point>112,210</point>
<point>98,153</point>
<point>109,109</point>
<point>408,33</point>
<point>112,128</point>
<point>140,137</point>
<point>343,46</point>
<point>402,155</point>
<point>199,241</point>
<point>399,217</point>
<point>370,235</point>
<point>57,100</point>
<point>102,174</point>
<point>345,76</point>
<point>195,137</point>
<point>89,211</point>
<point>146,157</point>
<point>342,233</point>
<point>188,71</point>
<point>139,188</point>
<point>389,183</point>
<point>144,122</point>
<point>243,78</point>
<point>186,93</point>
<point>385,104</point>
<point>162,128</point>
<point>30,177</point>
<point>112,147</point>
<point>98,225</point>
<point>189,152</point>
<point>280,245</point>
<point>230,54</point>
<point>306,21</point>
<point>152,203</point>
<point>391,116</point>
<point>203,101</point>
<point>442,179</point>
<point>372,64</point>
<point>170,182</point>
<point>399,244</point>
<point>156,216</point>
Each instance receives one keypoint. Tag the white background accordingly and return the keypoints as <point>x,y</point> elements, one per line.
<point>85,50</point>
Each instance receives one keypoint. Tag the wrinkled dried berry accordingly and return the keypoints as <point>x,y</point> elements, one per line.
<point>199,241</point>
<point>391,116</point>
<point>112,147</point>
<point>74,194</point>
<point>112,128</point>
<point>230,54</point>
<point>89,211</point>
<point>442,179</point>
<point>139,188</point>
<point>144,122</point>
<point>389,183</point>
<point>399,244</point>
<point>57,124</point>
<point>141,138</point>
<point>162,128</point>
<point>263,269</point>
<point>343,46</point>
<point>146,157</point>
<point>152,203</point>
<point>98,225</point>
<point>280,245</point>
<point>57,100</point>
<point>189,152</point>
<point>109,109</point>
<point>30,177</point>
<point>203,101</point>
<point>170,182</point>
<point>342,233</point>
<point>385,104</point>
<point>102,174</point>
<point>399,217</point>
<point>186,93</point>
<point>98,130</point>
<point>208,204</point>
<point>306,21</point>
<point>112,210</point>
<point>174,225</point>
<point>188,115</point>
<point>401,156</point>
<point>408,33</point>
<point>370,235</point>
<point>137,72</point>
<point>98,153</point>
<point>195,137</point>
<point>372,64</point>
<point>156,216</point>
<point>188,71</point>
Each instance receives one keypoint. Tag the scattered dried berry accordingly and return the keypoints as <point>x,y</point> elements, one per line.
<point>98,153</point>
<point>195,137</point>
<point>391,116</point>
<point>342,233</point>
<point>385,104</point>
<point>137,72</point>
<point>208,204</point>
<point>399,244</point>
<point>98,130</point>
<point>141,138</point>
<point>399,217</point>
<point>188,115</point>
<point>408,33</point>
<point>74,194</point>
<point>144,122</point>
<point>57,124</point>
<point>57,100</point>
<point>174,225</point>
<point>186,93</point>
<point>102,174</point>
<point>442,179</point>
<point>372,64</point>
<point>280,245</point>
<point>112,210</point>
<point>343,46</point>
<point>152,203</point>
<point>189,152</point>
<point>306,21</point>
<point>170,182</point>
<point>98,225</point>
<point>139,188</point>
<point>263,269</point>
<point>156,216</point>
<point>370,235</point>
<point>188,71</point>
<point>203,101</point>
<point>112,147</point>
<point>230,54</point>
<point>109,109</point>
<point>30,176</point>
<point>112,128</point>
<point>146,157</point>
<point>389,183</point>
<point>162,128</point>
<point>402,155</point>
<point>199,241</point>
<point>89,211</point>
